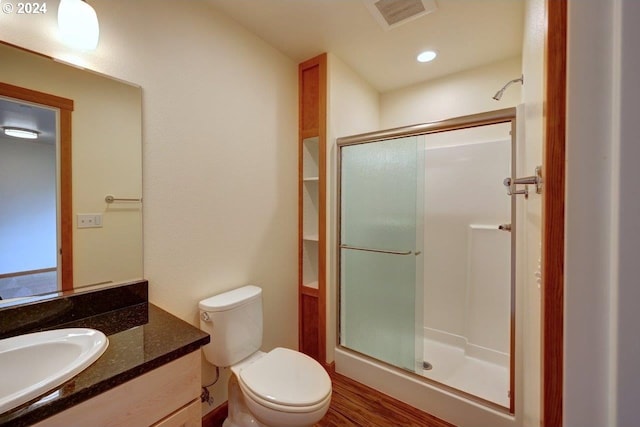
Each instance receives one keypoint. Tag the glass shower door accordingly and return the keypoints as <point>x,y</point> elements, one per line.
<point>379,272</point>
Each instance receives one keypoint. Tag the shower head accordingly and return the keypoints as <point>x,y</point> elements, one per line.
<point>499,93</point>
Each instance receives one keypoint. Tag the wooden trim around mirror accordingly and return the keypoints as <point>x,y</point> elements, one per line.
<point>65,106</point>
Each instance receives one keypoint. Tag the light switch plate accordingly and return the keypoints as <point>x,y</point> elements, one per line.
<point>89,220</point>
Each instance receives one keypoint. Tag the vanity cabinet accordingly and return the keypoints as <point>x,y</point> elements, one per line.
<point>168,396</point>
<point>189,416</point>
<point>312,78</point>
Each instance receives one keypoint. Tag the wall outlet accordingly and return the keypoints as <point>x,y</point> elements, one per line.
<point>89,220</point>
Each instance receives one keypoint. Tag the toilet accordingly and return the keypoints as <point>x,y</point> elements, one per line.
<point>281,388</point>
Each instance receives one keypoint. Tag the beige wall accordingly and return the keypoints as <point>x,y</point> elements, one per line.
<point>455,95</point>
<point>602,239</point>
<point>353,108</point>
<point>592,206</point>
<point>532,137</point>
<point>626,293</point>
<point>106,159</point>
<point>219,152</point>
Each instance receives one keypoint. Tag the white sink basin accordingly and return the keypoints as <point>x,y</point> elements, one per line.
<point>33,364</point>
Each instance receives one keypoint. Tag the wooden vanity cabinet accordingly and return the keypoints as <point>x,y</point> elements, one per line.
<point>168,396</point>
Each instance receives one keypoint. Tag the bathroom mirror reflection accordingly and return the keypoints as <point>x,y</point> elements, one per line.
<point>103,240</point>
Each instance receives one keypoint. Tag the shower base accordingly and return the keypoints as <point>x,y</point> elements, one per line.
<point>452,367</point>
<point>424,395</point>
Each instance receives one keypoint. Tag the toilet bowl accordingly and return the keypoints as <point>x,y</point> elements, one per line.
<point>284,388</point>
<point>281,388</point>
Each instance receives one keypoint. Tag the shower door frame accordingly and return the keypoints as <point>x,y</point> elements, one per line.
<point>506,115</point>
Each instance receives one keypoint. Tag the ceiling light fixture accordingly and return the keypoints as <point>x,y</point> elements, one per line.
<point>427,56</point>
<point>78,24</point>
<point>20,132</point>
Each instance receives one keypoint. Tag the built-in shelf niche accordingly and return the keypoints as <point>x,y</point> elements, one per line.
<point>310,263</point>
<point>310,210</point>
<point>312,207</point>
<point>310,159</point>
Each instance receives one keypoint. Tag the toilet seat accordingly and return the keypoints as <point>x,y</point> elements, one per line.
<point>287,381</point>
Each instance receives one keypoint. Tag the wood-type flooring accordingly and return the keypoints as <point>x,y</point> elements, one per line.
<point>356,405</point>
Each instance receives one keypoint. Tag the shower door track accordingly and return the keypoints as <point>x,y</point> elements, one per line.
<point>474,120</point>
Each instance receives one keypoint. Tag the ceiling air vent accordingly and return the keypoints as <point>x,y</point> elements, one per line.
<point>392,13</point>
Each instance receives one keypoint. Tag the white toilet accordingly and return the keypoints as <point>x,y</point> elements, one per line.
<point>282,388</point>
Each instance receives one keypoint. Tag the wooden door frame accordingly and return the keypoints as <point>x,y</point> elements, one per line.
<point>65,107</point>
<point>553,216</point>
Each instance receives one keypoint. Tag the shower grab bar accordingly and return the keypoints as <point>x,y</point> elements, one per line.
<point>381,251</point>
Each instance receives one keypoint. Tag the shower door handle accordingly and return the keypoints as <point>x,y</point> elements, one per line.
<point>380,251</point>
<point>510,192</point>
<point>526,181</point>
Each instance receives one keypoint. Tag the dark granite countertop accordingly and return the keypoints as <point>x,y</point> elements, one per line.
<point>142,337</point>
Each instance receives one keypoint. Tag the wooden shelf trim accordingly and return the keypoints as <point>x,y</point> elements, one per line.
<point>312,80</point>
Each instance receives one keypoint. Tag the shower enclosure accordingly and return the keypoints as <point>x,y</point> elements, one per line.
<point>426,247</point>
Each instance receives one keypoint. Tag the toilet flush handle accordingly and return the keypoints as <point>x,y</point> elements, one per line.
<point>205,317</point>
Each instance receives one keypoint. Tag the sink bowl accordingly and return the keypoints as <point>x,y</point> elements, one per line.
<point>33,364</point>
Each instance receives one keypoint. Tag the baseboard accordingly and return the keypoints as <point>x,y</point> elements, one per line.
<point>216,417</point>
<point>330,368</point>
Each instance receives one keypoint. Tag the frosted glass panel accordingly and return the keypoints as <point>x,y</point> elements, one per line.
<point>378,306</point>
<point>378,212</point>
<point>379,194</point>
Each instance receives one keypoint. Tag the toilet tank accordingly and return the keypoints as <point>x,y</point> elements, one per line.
<point>234,321</point>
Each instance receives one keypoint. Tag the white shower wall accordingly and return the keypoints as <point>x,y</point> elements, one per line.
<point>467,259</point>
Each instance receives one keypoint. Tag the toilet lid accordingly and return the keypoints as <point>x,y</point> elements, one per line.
<point>288,378</point>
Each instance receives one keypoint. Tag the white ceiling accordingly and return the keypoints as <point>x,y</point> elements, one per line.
<point>28,116</point>
<point>465,33</point>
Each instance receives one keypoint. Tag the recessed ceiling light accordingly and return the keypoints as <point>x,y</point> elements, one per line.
<point>20,133</point>
<point>427,56</point>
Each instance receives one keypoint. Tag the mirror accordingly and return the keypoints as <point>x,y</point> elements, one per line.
<point>105,140</point>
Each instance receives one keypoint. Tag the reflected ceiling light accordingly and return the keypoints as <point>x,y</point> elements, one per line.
<point>427,56</point>
<point>78,24</point>
<point>20,132</point>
